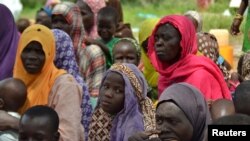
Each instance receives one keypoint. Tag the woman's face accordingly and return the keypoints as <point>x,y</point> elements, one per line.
<point>87,15</point>
<point>173,123</point>
<point>33,57</point>
<point>167,44</point>
<point>59,22</point>
<point>124,52</point>
<point>112,93</point>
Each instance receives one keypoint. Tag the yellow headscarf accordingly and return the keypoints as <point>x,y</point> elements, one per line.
<point>40,84</point>
<point>146,29</point>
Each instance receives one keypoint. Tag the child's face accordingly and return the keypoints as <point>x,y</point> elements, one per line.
<point>112,93</point>
<point>124,52</point>
<point>43,19</point>
<point>106,28</point>
<point>36,129</point>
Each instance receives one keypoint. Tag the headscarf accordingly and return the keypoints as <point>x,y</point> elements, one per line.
<point>133,42</point>
<point>40,84</point>
<point>190,101</point>
<point>137,114</point>
<point>188,63</point>
<point>149,71</point>
<point>8,41</point>
<point>197,17</point>
<point>72,14</point>
<point>246,66</point>
<point>65,59</point>
<point>95,6</point>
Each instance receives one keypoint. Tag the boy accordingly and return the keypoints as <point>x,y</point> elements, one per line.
<point>39,123</point>
<point>13,93</point>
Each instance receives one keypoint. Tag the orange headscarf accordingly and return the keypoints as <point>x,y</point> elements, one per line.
<point>40,84</point>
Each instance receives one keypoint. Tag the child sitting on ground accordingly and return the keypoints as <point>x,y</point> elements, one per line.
<point>39,123</point>
<point>13,93</point>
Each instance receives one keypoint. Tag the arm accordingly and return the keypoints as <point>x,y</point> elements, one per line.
<point>238,19</point>
<point>65,99</point>
<point>8,122</point>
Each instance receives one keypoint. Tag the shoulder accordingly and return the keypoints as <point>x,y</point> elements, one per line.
<point>65,78</point>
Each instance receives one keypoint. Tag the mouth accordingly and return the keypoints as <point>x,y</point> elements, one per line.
<point>31,66</point>
<point>105,103</point>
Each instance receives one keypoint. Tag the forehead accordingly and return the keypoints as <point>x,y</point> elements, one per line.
<point>166,29</point>
<point>107,19</point>
<point>114,77</point>
<point>168,109</point>
<point>34,123</point>
<point>124,45</point>
<point>34,45</point>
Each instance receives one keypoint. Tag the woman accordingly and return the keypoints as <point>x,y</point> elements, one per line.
<point>172,48</point>
<point>207,44</point>
<point>8,41</point>
<point>46,84</point>
<point>123,107</point>
<point>182,115</point>
<point>91,59</point>
<point>65,59</point>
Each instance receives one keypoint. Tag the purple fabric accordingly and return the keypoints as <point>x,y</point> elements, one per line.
<point>130,119</point>
<point>65,59</point>
<point>9,38</point>
<point>192,103</point>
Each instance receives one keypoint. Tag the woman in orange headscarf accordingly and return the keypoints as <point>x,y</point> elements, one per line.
<point>46,84</point>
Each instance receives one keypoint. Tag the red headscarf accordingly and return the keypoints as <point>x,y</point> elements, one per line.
<point>196,70</point>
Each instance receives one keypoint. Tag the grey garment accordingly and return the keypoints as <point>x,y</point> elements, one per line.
<point>8,135</point>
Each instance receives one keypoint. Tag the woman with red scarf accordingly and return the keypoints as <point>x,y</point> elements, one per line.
<point>172,48</point>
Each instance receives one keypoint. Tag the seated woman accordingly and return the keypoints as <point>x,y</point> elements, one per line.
<point>182,115</point>
<point>172,48</point>
<point>123,107</point>
<point>46,84</point>
<point>65,59</point>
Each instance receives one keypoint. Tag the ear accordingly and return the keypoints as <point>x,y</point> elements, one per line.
<point>56,136</point>
<point>1,103</point>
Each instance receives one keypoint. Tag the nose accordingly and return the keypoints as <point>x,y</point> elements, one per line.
<point>158,43</point>
<point>108,93</point>
<point>124,60</point>
<point>164,127</point>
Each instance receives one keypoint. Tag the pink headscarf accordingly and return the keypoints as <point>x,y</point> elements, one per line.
<point>196,70</point>
<point>95,6</point>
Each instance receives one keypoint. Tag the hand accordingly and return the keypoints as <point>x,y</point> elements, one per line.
<point>7,121</point>
<point>142,136</point>
<point>235,27</point>
<point>89,41</point>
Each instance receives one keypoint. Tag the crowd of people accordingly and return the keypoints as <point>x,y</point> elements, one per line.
<point>79,74</point>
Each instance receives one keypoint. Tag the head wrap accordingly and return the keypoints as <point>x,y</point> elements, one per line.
<point>40,84</point>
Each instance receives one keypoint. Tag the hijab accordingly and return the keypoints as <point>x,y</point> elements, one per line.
<point>149,71</point>
<point>72,14</point>
<point>40,84</point>
<point>137,114</point>
<point>9,37</point>
<point>192,103</point>
<point>65,59</point>
<point>188,63</point>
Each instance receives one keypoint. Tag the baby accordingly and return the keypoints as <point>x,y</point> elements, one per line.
<point>13,93</point>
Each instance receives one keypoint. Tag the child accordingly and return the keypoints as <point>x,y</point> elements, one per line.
<point>13,94</point>
<point>39,123</point>
<point>22,24</point>
<point>43,17</point>
<point>107,20</point>
<point>126,50</point>
<point>221,108</point>
<point>123,107</point>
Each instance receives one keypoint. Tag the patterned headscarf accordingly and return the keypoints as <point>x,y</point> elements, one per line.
<point>138,113</point>
<point>246,66</point>
<point>65,59</point>
<point>133,42</point>
<point>8,42</point>
<point>208,46</point>
<point>72,14</point>
<point>192,103</point>
<point>40,84</point>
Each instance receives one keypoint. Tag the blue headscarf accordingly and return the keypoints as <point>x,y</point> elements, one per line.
<point>65,59</point>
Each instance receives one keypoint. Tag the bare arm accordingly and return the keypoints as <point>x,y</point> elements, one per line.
<point>8,122</point>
